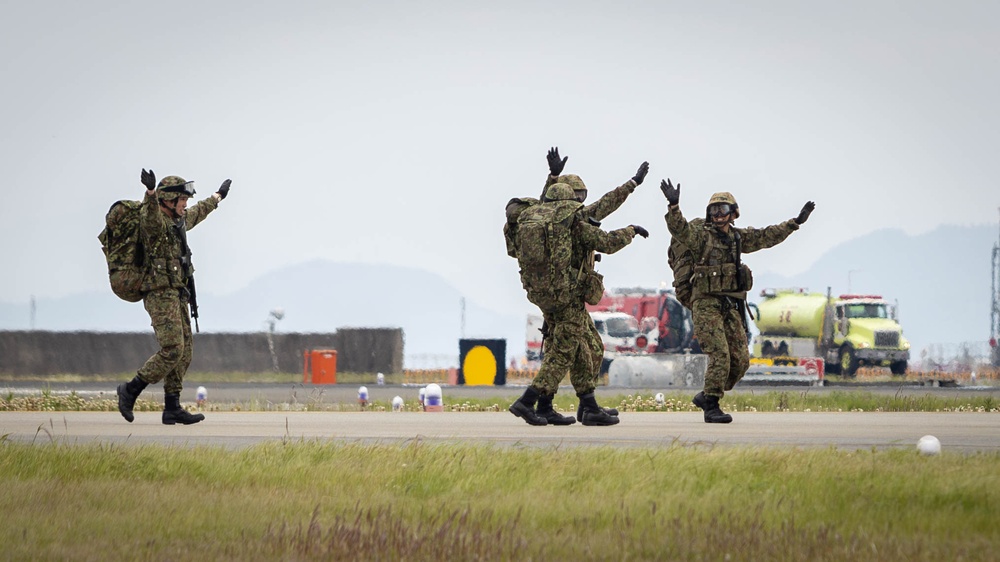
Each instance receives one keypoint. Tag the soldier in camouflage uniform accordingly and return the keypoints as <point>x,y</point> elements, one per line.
<point>163,224</point>
<point>595,212</point>
<point>719,286</point>
<point>570,344</point>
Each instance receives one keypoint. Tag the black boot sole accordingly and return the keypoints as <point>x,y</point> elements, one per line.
<point>195,418</point>
<point>558,419</point>
<point>599,419</point>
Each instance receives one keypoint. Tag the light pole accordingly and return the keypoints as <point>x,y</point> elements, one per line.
<point>272,321</point>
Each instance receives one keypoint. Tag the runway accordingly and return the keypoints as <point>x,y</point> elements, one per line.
<point>958,432</point>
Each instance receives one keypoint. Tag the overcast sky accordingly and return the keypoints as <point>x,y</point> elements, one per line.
<point>395,132</point>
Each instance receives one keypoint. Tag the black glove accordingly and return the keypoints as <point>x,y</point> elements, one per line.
<point>148,179</point>
<point>640,174</point>
<point>224,190</point>
<point>640,231</point>
<point>673,194</point>
<point>805,212</point>
<point>555,164</point>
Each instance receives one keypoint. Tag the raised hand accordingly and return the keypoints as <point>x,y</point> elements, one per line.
<point>640,231</point>
<point>673,194</point>
<point>148,179</point>
<point>807,209</point>
<point>555,164</point>
<point>224,189</point>
<point>640,174</point>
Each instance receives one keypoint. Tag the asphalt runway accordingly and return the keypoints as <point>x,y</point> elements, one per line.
<point>958,432</point>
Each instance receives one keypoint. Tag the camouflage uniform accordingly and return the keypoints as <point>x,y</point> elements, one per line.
<point>717,322</point>
<point>573,343</point>
<point>165,293</point>
<point>598,210</point>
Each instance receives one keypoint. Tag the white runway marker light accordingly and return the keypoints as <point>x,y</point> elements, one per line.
<point>432,400</point>
<point>929,445</point>
<point>397,404</point>
<point>659,399</point>
<point>200,396</point>
<point>380,379</point>
<point>363,396</point>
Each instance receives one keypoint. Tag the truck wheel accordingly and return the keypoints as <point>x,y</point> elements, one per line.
<point>898,367</point>
<point>848,362</point>
<point>767,349</point>
<point>605,366</point>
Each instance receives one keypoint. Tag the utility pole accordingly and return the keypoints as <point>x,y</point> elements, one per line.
<point>995,311</point>
<point>462,330</point>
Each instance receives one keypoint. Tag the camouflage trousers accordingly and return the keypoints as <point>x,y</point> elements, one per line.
<point>572,345</point>
<point>720,333</point>
<point>171,321</point>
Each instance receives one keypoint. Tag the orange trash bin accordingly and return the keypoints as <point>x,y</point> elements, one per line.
<point>319,366</point>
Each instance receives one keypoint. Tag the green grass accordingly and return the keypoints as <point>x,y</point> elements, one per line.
<point>326,501</point>
<point>771,401</point>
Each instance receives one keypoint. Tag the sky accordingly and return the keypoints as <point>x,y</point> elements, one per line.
<point>395,132</point>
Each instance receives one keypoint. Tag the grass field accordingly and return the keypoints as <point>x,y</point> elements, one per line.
<point>315,500</point>
<point>322,501</point>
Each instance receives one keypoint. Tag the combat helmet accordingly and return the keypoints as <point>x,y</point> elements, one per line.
<point>172,187</point>
<point>560,192</point>
<point>576,183</point>
<point>725,198</point>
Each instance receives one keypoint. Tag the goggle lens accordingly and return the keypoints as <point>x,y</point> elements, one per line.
<point>720,210</point>
<point>185,188</point>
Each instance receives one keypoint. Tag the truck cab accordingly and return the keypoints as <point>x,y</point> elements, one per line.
<point>619,332</point>
<point>866,331</point>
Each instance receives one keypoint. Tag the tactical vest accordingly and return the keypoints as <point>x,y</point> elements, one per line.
<point>720,272</point>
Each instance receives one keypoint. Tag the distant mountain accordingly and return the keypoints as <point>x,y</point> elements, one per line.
<point>941,280</point>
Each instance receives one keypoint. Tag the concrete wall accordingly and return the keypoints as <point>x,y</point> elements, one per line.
<point>362,350</point>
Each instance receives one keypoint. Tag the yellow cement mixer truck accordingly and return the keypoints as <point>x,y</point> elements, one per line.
<point>848,331</point>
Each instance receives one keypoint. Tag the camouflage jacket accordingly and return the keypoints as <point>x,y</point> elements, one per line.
<point>588,238</point>
<point>607,204</point>
<point>714,251</point>
<point>163,245</point>
<point>599,210</point>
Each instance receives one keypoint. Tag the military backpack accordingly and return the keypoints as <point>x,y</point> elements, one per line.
<point>681,260</point>
<point>544,248</point>
<point>123,249</point>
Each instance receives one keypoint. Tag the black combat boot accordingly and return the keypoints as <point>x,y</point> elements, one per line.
<point>608,411</point>
<point>710,404</point>
<point>173,413</point>
<point>553,417</point>
<point>592,414</point>
<point>524,407</point>
<point>127,394</point>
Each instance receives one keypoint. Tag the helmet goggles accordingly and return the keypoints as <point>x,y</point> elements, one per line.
<point>186,188</point>
<point>719,209</point>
